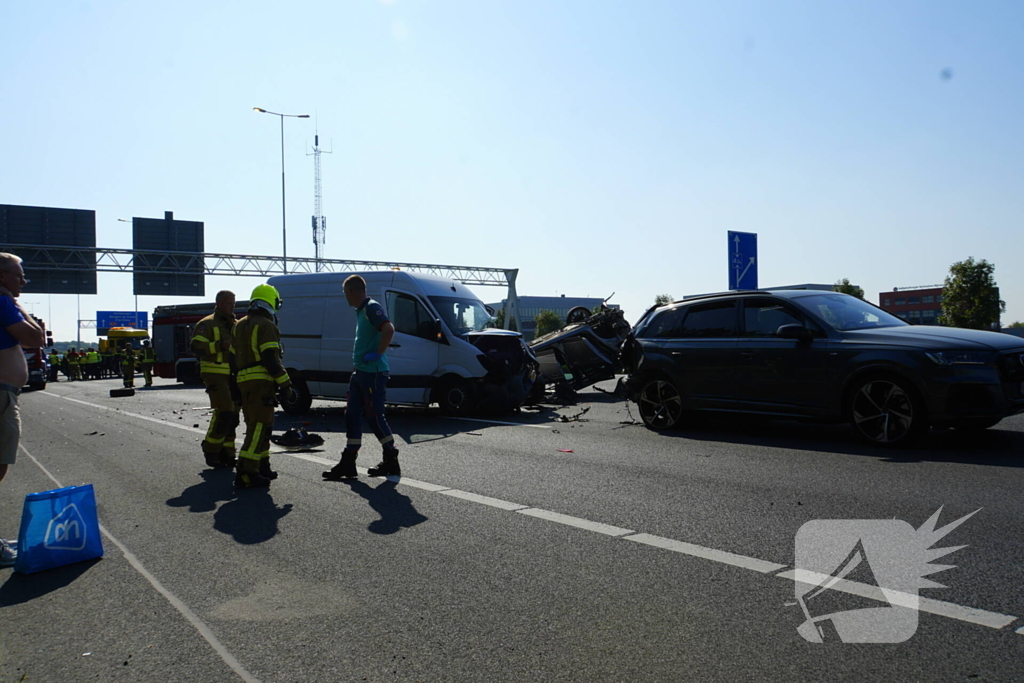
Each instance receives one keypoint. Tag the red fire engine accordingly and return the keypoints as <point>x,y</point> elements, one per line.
<point>172,339</point>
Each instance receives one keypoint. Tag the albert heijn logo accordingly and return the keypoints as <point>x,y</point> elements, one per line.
<point>66,531</point>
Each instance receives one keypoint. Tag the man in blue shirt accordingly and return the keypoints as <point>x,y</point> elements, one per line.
<point>17,330</point>
<point>367,386</point>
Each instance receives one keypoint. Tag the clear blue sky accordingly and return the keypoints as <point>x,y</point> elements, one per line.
<point>596,146</point>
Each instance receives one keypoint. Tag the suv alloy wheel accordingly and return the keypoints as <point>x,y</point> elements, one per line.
<point>660,404</point>
<point>885,411</point>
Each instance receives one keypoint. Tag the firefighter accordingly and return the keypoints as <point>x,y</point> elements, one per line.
<point>147,357</point>
<point>211,342</point>
<point>128,366</point>
<point>73,366</point>
<point>109,364</point>
<point>257,344</point>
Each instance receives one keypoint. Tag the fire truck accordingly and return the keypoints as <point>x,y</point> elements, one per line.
<point>38,367</point>
<point>172,339</point>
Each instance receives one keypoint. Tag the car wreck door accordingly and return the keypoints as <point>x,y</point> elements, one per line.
<point>413,355</point>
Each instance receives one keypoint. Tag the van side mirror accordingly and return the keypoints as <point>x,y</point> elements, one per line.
<point>798,332</point>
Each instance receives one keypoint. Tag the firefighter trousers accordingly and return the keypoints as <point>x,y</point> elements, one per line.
<point>128,374</point>
<point>220,436</point>
<point>147,372</point>
<point>258,409</point>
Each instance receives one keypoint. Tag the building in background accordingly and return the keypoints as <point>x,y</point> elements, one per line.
<point>916,305</point>
<point>530,306</point>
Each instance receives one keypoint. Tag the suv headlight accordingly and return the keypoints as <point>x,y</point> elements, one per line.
<point>959,357</point>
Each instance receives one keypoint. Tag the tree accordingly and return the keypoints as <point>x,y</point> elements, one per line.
<point>1017,324</point>
<point>845,287</point>
<point>970,297</point>
<point>547,322</point>
<point>499,321</point>
<point>663,299</point>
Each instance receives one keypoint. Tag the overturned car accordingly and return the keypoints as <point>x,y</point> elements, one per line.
<point>584,352</point>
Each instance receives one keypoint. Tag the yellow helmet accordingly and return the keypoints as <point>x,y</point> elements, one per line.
<point>267,293</point>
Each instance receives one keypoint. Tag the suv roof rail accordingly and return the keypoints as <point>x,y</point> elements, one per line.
<point>731,292</point>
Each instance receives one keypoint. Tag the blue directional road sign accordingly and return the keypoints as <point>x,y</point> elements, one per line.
<point>742,260</point>
<point>107,319</point>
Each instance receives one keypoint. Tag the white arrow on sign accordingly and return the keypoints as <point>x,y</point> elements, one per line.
<point>739,275</point>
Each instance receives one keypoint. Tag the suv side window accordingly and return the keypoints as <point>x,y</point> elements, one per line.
<point>666,325</point>
<point>409,316</point>
<point>762,317</point>
<point>709,320</point>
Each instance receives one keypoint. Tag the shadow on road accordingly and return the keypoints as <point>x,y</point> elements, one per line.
<point>21,588</point>
<point>250,517</point>
<point>992,447</point>
<point>217,486</point>
<point>395,509</point>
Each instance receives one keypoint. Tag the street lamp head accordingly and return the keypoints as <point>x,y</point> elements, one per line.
<point>259,110</point>
<point>303,116</point>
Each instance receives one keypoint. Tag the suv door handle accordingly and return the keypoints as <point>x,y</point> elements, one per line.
<point>394,346</point>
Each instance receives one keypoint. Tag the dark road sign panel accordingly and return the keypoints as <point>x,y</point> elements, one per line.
<point>168,275</point>
<point>68,272</point>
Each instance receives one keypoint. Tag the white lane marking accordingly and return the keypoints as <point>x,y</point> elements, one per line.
<point>577,522</point>
<point>943,609</point>
<point>495,422</point>
<point>122,412</point>
<point>722,556</point>
<point>483,500</point>
<point>426,486</point>
<point>205,631</point>
<point>946,609</point>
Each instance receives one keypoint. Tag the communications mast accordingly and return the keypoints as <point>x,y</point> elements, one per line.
<point>319,220</point>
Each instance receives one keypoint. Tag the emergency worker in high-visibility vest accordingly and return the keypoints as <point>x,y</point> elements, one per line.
<point>128,366</point>
<point>211,342</point>
<point>54,365</point>
<point>147,357</point>
<point>257,345</point>
<point>109,363</point>
<point>92,364</point>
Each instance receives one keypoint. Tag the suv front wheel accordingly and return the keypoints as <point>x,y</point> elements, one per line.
<point>660,404</point>
<point>886,411</point>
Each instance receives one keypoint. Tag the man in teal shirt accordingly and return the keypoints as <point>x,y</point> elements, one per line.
<point>367,386</point>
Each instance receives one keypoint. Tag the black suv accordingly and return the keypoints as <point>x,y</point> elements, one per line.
<point>819,355</point>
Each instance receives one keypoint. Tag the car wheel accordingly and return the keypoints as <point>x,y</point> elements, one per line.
<point>886,412</point>
<point>976,425</point>
<point>299,402</point>
<point>660,404</point>
<point>37,386</point>
<point>454,395</point>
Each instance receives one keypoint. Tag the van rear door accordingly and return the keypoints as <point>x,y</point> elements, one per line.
<point>413,355</point>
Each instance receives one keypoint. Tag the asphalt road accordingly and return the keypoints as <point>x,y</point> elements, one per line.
<point>567,546</point>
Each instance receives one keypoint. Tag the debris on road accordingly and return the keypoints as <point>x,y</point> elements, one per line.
<point>298,439</point>
<point>576,417</point>
<point>565,450</point>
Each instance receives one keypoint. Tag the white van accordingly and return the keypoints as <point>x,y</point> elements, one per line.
<point>443,351</point>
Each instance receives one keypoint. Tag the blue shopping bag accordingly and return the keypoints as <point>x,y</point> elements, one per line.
<point>58,527</point>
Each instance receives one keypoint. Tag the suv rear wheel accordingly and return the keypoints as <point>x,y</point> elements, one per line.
<point>886,411</point>
<point>660,404</point>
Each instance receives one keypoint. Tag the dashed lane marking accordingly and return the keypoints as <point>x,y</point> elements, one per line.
<point>204,630</point>
<point>937,607</point>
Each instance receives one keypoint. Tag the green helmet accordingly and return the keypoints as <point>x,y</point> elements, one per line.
<point>267,293</point>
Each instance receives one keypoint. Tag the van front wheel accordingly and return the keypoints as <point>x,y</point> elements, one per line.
<point>299,402</point>
<point>454,395</point>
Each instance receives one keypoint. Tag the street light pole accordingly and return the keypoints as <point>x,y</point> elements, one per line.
<point>284,224</point>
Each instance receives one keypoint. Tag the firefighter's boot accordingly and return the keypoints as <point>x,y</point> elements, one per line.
<point>248,476</point>
<point>388,466</point>
<point>346,467</point>
<point>226,458</point>
<point>265,470</point>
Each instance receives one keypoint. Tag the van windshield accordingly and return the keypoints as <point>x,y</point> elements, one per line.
<point>461,315</point>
